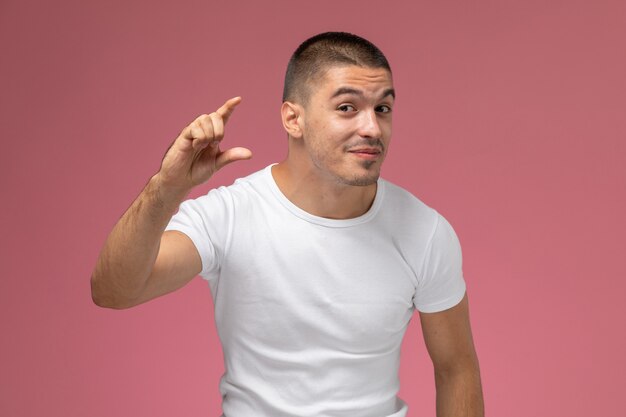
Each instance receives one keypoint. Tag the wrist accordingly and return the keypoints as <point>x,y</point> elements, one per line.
<point>166,194</point>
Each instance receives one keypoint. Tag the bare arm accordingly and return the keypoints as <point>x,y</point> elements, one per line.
<point>128,259</point>
<point>448,339</point>
<point>139,261</point>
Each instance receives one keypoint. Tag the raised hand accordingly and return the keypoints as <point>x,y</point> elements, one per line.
<point>195,154</point>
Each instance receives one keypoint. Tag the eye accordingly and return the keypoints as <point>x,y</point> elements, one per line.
<point>383,108</point>
<point>346,108</point>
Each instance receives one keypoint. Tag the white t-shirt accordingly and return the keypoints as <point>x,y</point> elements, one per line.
<point>311,311</point>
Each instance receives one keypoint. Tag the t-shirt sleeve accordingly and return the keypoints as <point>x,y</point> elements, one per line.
<point>205,221</point>
<point>441,285</point>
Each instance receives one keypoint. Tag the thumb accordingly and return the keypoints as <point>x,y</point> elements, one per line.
<point>232,155</point>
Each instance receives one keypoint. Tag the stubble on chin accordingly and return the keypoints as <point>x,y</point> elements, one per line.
<point>363,180</point>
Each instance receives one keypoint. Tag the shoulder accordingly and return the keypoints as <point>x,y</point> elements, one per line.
<point>235,193</point>
<point>413,223</point>
<point>403,206</point>
<point>256,183</point>
<point>220,204</point>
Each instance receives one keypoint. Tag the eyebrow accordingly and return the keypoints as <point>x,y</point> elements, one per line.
<point>353,91</point>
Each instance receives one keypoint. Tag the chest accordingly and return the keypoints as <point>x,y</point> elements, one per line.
<point>300,284</point>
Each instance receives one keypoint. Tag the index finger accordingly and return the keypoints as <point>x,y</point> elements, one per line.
<point>227,108</point>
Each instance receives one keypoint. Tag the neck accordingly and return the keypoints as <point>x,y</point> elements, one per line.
<point>319,196</point>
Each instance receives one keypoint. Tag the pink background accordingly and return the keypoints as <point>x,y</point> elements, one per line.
<point>510,120</point>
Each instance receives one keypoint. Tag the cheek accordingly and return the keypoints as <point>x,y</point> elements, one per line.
<point>328,137</point>
<point>342,131</point>
<point>386,131</point>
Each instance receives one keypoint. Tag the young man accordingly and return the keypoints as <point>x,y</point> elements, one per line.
<point>315,264</point>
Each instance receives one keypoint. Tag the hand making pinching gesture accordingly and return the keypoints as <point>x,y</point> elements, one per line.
<point>195,155</point>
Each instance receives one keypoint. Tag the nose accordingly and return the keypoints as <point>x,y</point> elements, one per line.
<point>369,126</point>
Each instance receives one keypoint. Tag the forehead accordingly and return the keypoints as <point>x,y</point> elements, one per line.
<point>370,81</point>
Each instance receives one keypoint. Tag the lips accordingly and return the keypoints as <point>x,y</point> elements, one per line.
<point>371,154</point>
<point>369,151</point>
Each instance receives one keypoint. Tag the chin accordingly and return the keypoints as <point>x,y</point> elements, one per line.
<point>362,174</point>
<point>360,180</point>
<point>370,171</point>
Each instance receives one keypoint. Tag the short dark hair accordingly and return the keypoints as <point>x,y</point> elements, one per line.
<point>315,55</point>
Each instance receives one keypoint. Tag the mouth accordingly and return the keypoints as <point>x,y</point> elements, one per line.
<point>366,153</point>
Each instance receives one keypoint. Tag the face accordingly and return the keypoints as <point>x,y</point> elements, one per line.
<point>346,124</point>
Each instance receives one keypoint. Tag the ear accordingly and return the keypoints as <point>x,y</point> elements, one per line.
<point>291,114</point>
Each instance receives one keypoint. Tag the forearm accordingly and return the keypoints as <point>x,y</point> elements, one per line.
<point>459,394</point>
<point>130,251</point>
